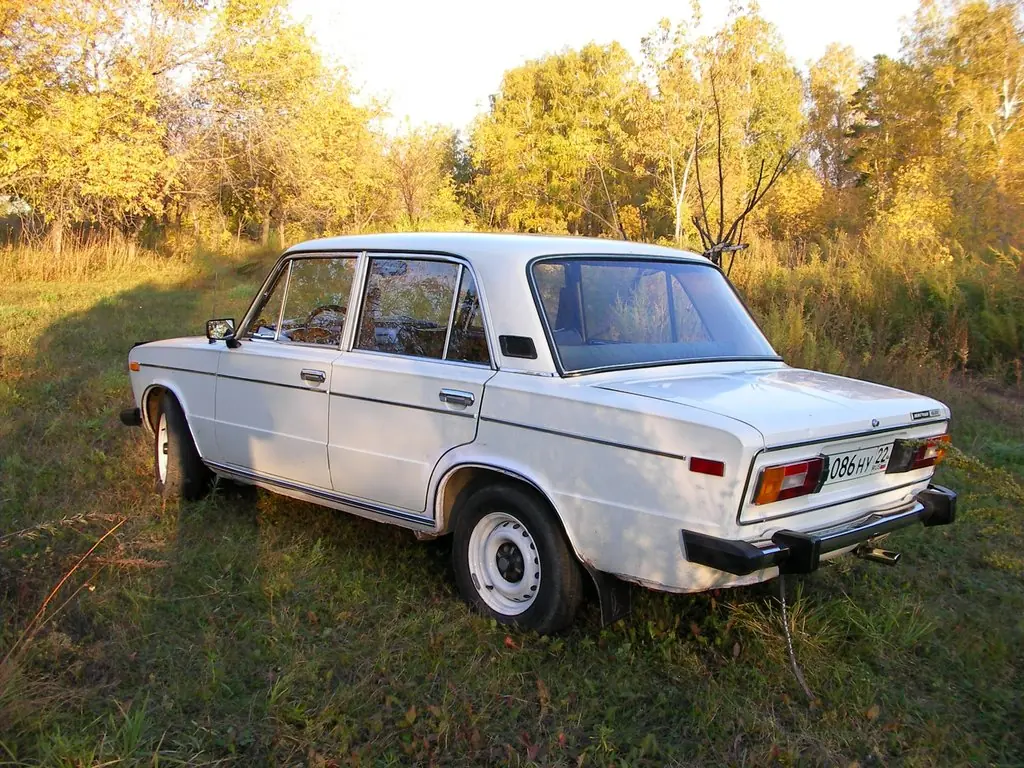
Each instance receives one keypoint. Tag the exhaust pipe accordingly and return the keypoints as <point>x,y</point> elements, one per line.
<point>876,555</point>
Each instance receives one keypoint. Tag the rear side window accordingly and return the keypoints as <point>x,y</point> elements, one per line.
<point>407,306</point>
<point>468,340</point>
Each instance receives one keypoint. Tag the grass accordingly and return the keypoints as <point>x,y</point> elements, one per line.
<point>249,629</point>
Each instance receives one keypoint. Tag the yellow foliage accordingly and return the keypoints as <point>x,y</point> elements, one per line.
<point>792,209</point>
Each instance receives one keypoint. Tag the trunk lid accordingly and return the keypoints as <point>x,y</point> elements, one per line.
<point>803,414</point>
<point>789,405</point>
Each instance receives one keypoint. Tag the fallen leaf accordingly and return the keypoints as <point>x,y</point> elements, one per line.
<point>873,712</point>
<point>410,715</point>
<point>695,629</point>
<point>510,643</point>
<point>544,695</point>
<point>736,650</point>
<point>561,739</point>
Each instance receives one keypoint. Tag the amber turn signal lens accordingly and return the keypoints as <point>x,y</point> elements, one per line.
<point>786,481</point>
<point>133,366</point>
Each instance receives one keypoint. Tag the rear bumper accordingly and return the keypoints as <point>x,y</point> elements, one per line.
<point>800,552</point>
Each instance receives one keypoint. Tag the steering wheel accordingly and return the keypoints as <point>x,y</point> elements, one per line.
<point>311,333</point>
<point>317,311</point>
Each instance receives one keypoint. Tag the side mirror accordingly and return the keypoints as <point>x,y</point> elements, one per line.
<point>221,329</point>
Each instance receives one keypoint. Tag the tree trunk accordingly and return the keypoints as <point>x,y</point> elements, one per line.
<point>57,235</point>
<point>280,233</point>
<point>265,234</point>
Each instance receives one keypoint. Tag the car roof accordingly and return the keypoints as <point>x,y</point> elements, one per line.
<point>512,248</point>
<point>499,264</point>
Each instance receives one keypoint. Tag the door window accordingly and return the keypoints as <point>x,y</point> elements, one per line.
<point>317,300</point>
<point>407,306</point>
<point>468,341</point>
<point>265,324</point>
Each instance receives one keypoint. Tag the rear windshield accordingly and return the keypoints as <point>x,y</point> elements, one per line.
<point>621,313</point>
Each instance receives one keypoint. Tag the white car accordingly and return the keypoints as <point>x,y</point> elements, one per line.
<point>563,406</point>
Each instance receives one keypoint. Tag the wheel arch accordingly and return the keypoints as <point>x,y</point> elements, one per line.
<point>150,408</point>
<point>463,476</point>
<point>614,596</point>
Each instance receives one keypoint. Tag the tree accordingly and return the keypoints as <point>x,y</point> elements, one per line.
<point>755,125</point>
<point>550,151</point>
<point>422,175</point>
<point>669,120</point>
<point>81,138</point>
<point>833,82</point>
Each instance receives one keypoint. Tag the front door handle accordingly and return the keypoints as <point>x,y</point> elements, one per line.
<point>316,377</point>
<point>456,397</point>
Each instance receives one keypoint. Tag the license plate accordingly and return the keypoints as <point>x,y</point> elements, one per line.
<point>855,464</point>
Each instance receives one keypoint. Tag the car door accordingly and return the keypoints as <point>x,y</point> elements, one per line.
<point>410,387</point>
<point>272,390</point>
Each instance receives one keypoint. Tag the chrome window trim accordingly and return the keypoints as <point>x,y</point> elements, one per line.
<point>284,302</point>
<point>393,355</point>
<point>451,312</point>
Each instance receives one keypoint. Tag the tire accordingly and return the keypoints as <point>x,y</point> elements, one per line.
<point>179,472</point>
<point>512,561</point>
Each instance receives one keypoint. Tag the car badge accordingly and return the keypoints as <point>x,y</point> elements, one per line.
<point>874,423</point>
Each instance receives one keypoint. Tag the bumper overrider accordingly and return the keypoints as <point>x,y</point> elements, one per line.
<point>131,417</point>
<point>800,552</point>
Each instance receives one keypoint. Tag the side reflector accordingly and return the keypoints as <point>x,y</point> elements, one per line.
<point>133,366</point>
<point>787,481</point>
<point>915,454</point>
<point>707,466</point>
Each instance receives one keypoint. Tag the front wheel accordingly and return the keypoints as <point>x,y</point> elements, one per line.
<point>180,472</point>
<point>512,561</point>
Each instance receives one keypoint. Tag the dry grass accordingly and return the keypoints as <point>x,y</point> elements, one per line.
<point>251,630</point>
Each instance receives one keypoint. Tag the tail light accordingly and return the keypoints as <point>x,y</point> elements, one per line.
<point>915,454</point>
<point>787,481</point>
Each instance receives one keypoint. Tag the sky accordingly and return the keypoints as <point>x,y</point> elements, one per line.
<point>439,61</point>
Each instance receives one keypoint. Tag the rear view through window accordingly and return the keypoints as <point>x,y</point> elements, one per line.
<point>620,313</point>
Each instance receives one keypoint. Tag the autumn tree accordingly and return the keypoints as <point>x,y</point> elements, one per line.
<point>833,81</point>
<point>81,139</point>
<point>670,115</point>
<point>753,96</point>
<point>549,151</point>
<point>421,167</point>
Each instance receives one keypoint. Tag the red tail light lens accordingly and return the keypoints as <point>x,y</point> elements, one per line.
<point>787,481</point>
<point>915,454</point>
<point>707,466</point>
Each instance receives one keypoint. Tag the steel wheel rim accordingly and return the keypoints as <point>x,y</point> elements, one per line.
<point>162,448</point>
<point>494,565</point>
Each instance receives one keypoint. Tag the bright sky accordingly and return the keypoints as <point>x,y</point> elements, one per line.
<point>438,62</point>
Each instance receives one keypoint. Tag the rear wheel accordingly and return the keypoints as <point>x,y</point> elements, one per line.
<point>180,472</point>
<point>512,561</point>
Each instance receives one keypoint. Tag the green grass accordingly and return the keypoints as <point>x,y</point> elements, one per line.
<point>252,629</point>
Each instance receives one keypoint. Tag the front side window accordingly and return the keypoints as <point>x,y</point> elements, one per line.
<point>620,313</point>
<point>315,293</point>
<point>407,306</point>
<point>265,324</point>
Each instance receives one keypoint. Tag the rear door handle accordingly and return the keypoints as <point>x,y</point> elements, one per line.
<point>316,377</point>
<point>456,397</point>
